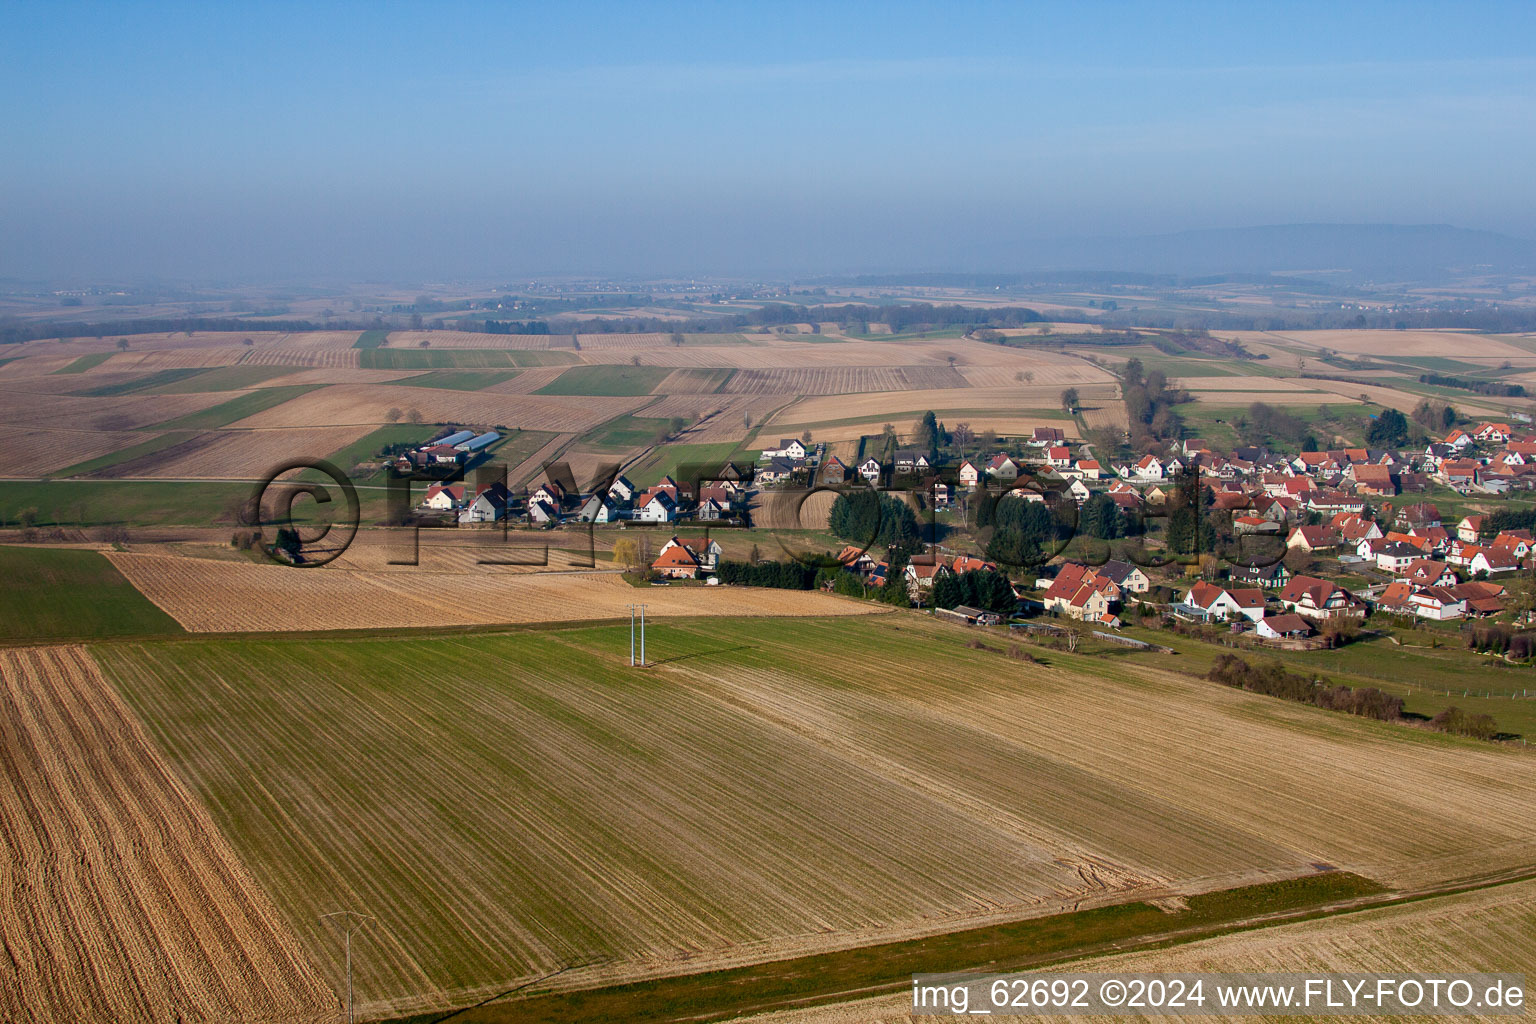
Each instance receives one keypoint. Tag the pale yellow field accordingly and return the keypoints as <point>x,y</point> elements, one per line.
<point>359,404</point>
<point>212,596</point>
<point>1404,343</point>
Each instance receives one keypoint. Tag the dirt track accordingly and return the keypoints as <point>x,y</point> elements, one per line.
<point>119,900</point>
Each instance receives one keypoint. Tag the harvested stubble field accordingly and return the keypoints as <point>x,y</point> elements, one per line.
<point>1461,344</point>
<point>840,380</point>
<point>123,901</point>
<point>743,800</point>
<point>1490,930</point>
<point>128,412</point>
<point>34,453</point>
<point>237,454</point>
<point>1058,371</point>
<point>345,405</point>
<point>238,597</point>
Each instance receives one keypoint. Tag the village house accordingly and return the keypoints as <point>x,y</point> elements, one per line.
<point>597,508</point>
<point>970,474</point>
<point>1312,538</point>
<point>909,461</point>
<point>871,469</point>
<point>1469,529</point>
<point>1426,572</point>
<point>1219,603</point>
<point>444,497</point>
<point>621,490</point>
<point>832,471</point>
<point>1269,576</point>
<point>704,551</point>
<point>788,448</point>
<point>1059,456</point>
<point>1002,467</point>
<point>490,505</point>
<point>1080,593</point>
<point>659,507</point>
<point>676,562</point>
<point>1283,627</point>
<point>1313,598</point>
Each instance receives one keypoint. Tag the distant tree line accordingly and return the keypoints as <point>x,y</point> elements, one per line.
<point>1498,389</point>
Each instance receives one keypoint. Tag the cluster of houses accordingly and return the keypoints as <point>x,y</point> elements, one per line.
<point>552,503</point>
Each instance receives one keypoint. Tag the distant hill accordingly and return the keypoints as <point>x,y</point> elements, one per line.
<point>1355,252</point>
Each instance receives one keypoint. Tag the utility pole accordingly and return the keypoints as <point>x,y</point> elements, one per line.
<point>631,636</point>
<point>642,636</point>
<point>361,921</point>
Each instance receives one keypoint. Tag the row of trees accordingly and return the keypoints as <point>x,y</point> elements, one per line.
<point>1274,680</point>
<point>777,575</point>
<point>1149,405</point>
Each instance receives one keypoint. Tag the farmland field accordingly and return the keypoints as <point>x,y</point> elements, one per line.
<point>1490,930</point>
<point>124,902</point>
<point>248,404</point>
<point>68,594</point>
<point>223,596</point>
<point>606,380</point>
<point>767,801</point>
<point>346,405</point>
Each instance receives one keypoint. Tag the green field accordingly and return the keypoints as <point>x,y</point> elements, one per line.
<point>86,362</point>
<point>460,380</point>
<point>455,359</point>
<point>606,380</point>
<point>149,382</point>
<point>53,594</point>
<point>148,447</point>
<point>371,340</point>
<point>225,378</point>
<point>133,503</point>
<point>248,404</point>
<point>628,432</point>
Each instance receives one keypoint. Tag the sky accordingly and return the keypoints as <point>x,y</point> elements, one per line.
<point>450,141</point>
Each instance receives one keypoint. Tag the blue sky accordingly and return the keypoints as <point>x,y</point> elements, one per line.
<point>444,140</point>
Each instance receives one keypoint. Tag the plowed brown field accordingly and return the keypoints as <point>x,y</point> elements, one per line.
<point>121,901</point>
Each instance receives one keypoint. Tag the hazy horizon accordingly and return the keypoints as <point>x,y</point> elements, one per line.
<point>279,142</point>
